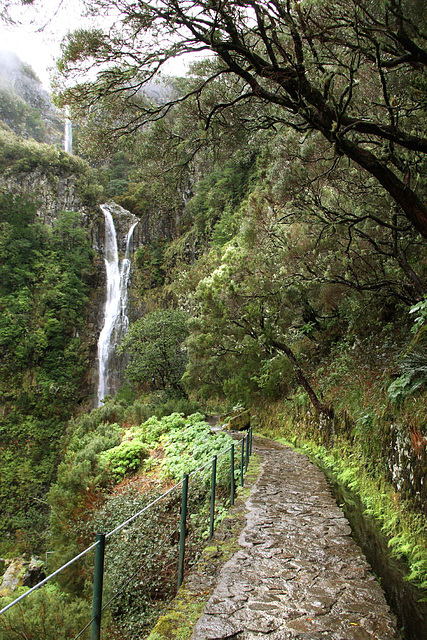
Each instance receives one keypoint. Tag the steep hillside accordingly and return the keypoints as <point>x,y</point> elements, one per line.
<point>48,282</point>
<point>25,106</point>
<point>281,272</point>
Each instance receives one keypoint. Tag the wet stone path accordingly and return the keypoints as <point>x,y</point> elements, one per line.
<point>298,573</point>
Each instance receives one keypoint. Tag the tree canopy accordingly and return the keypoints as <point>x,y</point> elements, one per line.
<point>350,71</point>
<point>155,345</point>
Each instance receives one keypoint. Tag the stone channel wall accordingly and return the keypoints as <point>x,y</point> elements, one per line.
<point>396,450</point>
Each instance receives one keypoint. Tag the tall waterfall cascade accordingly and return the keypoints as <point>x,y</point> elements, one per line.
<point>115,319</point>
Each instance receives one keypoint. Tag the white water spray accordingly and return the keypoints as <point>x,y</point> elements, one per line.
<point>124,280</point>
<point>116,321</point>
<point>68,133</point>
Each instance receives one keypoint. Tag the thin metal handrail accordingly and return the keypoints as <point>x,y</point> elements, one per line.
<point>136,515</point>
<point>52,575</point>
<point>218,455</point>
<point>204,466</point>
<point>208,464</point>
<point>80,633</point>
<point>110,533</point>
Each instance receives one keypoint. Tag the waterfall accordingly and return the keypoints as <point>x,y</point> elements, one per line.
<point>68,136</point>
<point>116,321</point>
<point>124,279</point>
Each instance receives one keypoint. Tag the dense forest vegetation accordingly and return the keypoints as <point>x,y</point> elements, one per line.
<point>283,181</point>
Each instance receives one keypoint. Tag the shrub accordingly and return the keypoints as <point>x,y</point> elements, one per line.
<point>191,447</point>
<point>124,458</point>
<point>47,613</point>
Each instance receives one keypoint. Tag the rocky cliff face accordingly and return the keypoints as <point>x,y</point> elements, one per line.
<point>153,227</point>
<point>53,193</point>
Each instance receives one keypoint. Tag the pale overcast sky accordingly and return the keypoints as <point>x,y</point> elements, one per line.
<point>34,44</point>
<point>39,46</point>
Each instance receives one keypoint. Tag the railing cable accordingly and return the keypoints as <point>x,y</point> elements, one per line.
<point>52,575</point>
<point>84,629</point>
<point>136,515</point>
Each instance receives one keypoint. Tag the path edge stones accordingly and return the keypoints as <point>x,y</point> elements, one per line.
<point>182,613</point>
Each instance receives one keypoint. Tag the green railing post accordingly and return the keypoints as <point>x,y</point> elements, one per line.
<point>247,450</point>
<point>232,475</point>
<point>182,529</point>
<point>242,461</point>
<point>251,440</point>
<point>98,579</point>
<point>213,487</point>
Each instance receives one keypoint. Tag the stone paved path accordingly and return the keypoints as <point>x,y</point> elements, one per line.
<point>298,573</point>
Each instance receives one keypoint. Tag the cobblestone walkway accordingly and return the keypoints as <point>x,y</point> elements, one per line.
<point>298,573</point>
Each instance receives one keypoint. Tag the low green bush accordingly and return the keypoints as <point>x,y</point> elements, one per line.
<point>189,448</point>
<point>47,614</point>
<point>124,458</point>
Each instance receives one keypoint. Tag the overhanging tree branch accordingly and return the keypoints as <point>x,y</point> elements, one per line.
<point>270,46</point>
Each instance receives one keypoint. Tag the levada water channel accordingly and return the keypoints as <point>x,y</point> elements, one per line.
<point>407,602</point>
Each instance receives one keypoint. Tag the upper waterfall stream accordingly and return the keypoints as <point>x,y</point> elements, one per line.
<point>115,322</point>
<point>68,133</point>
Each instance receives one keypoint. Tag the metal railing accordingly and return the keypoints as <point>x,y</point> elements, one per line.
<point>101,538</point>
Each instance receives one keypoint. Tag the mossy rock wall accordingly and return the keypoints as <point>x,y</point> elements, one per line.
<point>240,422</point>
<point>389,446</point>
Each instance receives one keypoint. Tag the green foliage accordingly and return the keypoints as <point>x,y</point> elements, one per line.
<point>47,613</point>
<point>124,458</point>
<point>190,444</point>
<point>212,209</point>
<point>150,431</point>
<point>413,365</point>
<point>141,559</point>
<point>19,156</point>
<point>407,384</point>
<point>115,175</point>
<point>81,476</point>
<point>45,276</point>
<point>420,318</point>
<point>160,404</point>
<point>245,315</point>
<point>149,264</point>
<point>100,453</point>
<point>20,117</point>
<point>155,345</point>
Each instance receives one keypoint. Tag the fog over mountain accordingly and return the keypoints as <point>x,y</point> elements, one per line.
<point>25,106</point>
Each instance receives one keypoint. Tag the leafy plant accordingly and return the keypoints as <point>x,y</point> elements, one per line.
<point>406,384</point>
<point>414,362</point>
<point>194,446</point>
<point>47,613</point>
<point>124,458</point>
<point>155,346</point>
<point>420,318</point>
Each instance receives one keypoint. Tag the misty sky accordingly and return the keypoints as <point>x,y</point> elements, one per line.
<point>36,40</point>
<point>37,37</point>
